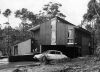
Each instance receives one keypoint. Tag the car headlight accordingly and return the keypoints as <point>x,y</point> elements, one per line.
<point>34,57</point>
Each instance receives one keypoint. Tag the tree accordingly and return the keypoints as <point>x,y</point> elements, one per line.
<point>26,16</point>
<point>50,11</point>
<point>22,14</point>
<point>93,14</point>
<point>7,13</point>
<point>32,17</point>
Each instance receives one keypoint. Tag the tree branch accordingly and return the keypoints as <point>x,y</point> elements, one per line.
<point>96,10</point>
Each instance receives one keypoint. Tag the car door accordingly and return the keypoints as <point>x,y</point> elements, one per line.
<point>51,55</point>
<point>58,55</point>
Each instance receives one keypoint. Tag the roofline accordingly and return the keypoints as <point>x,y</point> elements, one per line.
<point>82,29</point>
<point>34,28</point>
<point>22,41</point>
<point>65,21</point>
<point>62,20</point>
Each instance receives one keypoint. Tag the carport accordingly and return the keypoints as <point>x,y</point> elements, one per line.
<point>71,52</point>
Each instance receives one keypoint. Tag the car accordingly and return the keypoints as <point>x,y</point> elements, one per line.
<point>50,55</point>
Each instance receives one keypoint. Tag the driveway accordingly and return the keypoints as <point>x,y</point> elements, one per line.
<point>17,64</point>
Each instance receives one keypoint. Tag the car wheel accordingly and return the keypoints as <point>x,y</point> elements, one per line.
<point>44,60</point>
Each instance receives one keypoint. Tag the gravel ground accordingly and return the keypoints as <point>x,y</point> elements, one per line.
<point>83,64</point>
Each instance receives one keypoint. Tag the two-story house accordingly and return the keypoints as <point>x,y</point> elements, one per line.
<point>62,35</point>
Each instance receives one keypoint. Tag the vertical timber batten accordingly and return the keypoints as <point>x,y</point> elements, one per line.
<point>53,31</point>
<point>45,33</point>
<point>61,36</point>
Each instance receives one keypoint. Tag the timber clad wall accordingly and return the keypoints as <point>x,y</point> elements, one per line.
<point>82,38</point>
<point>61,33</point>
<point>36,35</point>
<point>71,34</point>
<point>45,33</point>
<point>22,48</point>
<point>85,46</point>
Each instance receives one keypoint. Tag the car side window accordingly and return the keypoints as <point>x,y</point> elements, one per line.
<point>58,52</point>
<point>52,52</point>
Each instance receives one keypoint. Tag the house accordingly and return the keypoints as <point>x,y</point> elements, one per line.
<point>62,35</point>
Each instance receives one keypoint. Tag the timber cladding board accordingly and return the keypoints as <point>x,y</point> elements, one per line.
<point>42,33</point>
<point>37,34</point>
<point>61,29</point>
<point>85,45</point>
<point>45,33</point>
<point>78,37</point>
<point>82,39</point>
<point>66,34</point>
<point>48,32</point>
<point>62,32</point>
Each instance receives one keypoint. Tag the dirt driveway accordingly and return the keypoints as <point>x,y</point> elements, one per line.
<point>85,64</point>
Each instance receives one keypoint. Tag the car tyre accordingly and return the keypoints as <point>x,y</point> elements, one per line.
<point>44,60</point>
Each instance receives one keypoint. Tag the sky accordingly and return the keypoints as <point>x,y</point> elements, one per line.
<point>73,9</point>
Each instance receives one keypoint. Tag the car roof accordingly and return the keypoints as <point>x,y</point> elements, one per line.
<point>53,50</point>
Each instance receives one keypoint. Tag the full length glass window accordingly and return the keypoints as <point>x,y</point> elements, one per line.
<point>70,36</point>
<point>53,32</point>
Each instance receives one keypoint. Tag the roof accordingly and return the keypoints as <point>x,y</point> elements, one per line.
<point>34,28</point>
<point>62,20</point>
<point>82,29</point>
<point>24,41</point>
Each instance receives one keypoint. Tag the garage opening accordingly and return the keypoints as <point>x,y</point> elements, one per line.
<point>71,52</point>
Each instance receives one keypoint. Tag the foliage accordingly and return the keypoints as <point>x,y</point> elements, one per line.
<point>26,16</point>
<point>12,37</point>
<point>22,14</point>
<point>52,10</point>
<point>89,28</point>
<point>93,13</point>
<point>32,17</point>
<point>7,12</point>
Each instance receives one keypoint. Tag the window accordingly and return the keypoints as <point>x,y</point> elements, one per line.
<point>70,36</point>
<point>52,52</point>
<point>70,40</point>
<point>53,32</point>
<point>70,33</point>
<point>58,52</point>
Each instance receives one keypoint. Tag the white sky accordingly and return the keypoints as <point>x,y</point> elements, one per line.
<point>73,9</point>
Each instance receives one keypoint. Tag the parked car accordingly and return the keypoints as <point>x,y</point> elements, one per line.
<point>50,55</point>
